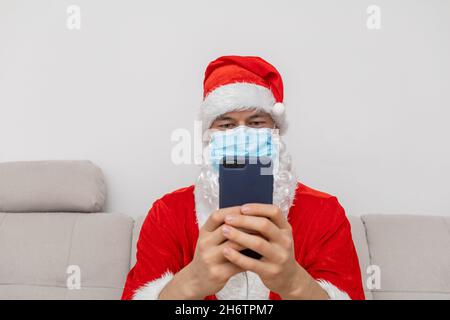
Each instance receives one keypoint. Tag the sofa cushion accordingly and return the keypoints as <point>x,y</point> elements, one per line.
<point>36,250</point>
<point>136,231</point>
<point>412,253</point>
<point>360,241</point>
<point>36,292</point>
<point>42,186</point>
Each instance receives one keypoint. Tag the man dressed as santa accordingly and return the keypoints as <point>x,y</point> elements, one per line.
<point>188,248</point>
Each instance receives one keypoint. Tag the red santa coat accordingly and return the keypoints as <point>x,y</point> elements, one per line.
<point>321,232</point>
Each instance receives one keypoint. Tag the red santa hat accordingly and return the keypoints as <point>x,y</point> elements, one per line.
<point>235,83</point>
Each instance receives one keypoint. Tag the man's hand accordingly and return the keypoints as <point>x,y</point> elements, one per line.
<point>208,271</point>
<point>277,268</point>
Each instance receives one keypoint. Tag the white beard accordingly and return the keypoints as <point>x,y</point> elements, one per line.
<point>244,285</point>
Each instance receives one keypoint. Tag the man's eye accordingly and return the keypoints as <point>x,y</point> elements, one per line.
<point>226,126</point>
<point>257,123</point>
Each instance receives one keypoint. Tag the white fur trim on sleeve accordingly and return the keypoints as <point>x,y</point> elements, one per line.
<point>152,289</point>
<point>333,292</point>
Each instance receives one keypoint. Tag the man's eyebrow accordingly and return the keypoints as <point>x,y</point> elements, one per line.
<point>258,115</point>
<point>223,117</point>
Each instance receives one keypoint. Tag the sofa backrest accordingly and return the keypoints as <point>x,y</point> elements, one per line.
<point>41,252</point>
<point>412,253</point>
<point>362,249</point>
<point>136,230</point>
<point>47,245</point>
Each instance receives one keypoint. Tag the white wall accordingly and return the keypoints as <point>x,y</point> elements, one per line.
<point>369,109</point>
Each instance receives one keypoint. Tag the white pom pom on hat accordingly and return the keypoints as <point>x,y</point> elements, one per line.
<point>278,109</point>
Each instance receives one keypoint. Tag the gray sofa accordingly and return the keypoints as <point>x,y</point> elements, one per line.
<point>51,223</point>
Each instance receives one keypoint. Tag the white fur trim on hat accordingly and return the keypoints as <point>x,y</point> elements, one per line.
<point>333,292</point>
<point>240,96</point>
<point>152,289</point>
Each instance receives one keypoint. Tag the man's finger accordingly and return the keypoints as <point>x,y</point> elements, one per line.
<point>215,237</point>
<point>230,269</point>
<point>262,225</point>
<point>244,262</point>
<point>217,252</point>
<point>266,210</point>
<point>255,243</point>
<point>216,218</point>
<point>231,244</point>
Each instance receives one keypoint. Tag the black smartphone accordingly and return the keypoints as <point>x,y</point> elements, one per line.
<point>245,180</point>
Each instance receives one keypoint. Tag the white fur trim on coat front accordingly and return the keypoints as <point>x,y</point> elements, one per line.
<point>239,96</point>
<point>333,292</point>
<point>152,289</point>
<point>245,285</point>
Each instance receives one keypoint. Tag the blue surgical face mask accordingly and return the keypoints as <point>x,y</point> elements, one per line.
<point>243,142</point>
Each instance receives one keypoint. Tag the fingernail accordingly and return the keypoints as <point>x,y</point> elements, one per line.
<point>226,251</point>
<point>225,230</point>
<point>229,219</point>
<point>245,209</point>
